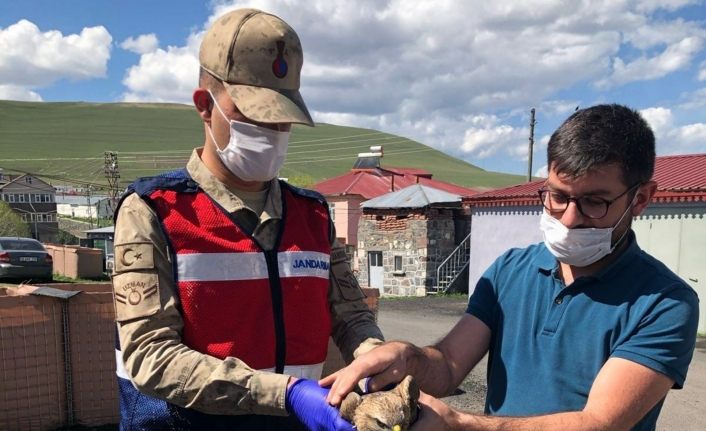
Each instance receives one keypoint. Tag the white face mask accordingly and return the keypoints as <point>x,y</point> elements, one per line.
<point>253,153</point>
<point>578,247</point>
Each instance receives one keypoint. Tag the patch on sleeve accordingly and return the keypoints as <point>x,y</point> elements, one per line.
<point>134,256</point>
<point>136,295</point>
<point>346,283</point>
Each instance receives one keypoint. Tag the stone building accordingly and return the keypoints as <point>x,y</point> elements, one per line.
<point>404,236</point>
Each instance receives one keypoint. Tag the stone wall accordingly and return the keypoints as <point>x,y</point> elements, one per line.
<point>422,238</point>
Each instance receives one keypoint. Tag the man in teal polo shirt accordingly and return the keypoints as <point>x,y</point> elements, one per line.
<point>584,331</point>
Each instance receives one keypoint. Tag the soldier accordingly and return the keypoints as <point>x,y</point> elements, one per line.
<point>228,282</point>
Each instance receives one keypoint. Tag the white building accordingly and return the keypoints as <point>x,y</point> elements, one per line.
<point>672,228</point>
<point>83,206</point>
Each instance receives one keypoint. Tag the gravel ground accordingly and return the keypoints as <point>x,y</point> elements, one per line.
<point>423,321</point>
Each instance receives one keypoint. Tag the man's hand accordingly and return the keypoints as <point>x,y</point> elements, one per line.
<point>386,364</point>
<point>433,415</point>
<point>306,400</point>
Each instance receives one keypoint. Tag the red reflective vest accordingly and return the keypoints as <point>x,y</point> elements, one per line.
<point>267,308</point>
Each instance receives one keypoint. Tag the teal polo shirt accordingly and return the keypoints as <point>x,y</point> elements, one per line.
<point>550,340</point>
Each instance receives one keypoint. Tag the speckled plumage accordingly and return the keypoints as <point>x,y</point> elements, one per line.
<point>393,410</point>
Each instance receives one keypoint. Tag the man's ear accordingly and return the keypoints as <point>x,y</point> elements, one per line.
<point>643,197</point>
<point>203,103</point>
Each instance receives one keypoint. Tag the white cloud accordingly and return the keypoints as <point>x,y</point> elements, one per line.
<point>488,136</point>
<point>659,118</point>
<point>671,138</point>
<point>702,71</point>
<point>164,75</point>
<point>431,70</point>
<point>30,58</point>
<point>14,92</point>
<point>542,172</point>
<point>694,99</point>
<point>671,5</point>
<point>673,58</point>
<point>143,44</point>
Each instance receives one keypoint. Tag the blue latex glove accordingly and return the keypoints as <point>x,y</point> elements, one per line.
<point>306,400</point>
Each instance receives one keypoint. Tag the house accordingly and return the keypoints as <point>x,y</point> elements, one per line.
<point>34,201</point>
<point>404,237</point>
<point>672,228</point>
<point>368,180</point>
<point>83,206</point>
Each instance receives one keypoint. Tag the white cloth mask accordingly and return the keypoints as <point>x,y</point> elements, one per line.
<point>254,153</point>
<point>578,247</point>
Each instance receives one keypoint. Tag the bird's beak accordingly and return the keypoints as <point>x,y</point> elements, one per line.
<point>396,428</point>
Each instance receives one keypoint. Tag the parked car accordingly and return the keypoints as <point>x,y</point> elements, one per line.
<point>24,258</point>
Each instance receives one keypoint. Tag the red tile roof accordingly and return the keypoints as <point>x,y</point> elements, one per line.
<point>679,179</point>
<point>371,183</point>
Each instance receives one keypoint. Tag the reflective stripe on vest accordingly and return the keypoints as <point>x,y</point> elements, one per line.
<point>238,300</point>
<point>249,266</point>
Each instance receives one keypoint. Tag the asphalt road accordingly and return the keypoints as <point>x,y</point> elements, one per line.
<point>424,320</point>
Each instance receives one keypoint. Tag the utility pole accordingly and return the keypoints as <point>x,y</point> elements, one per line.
<point>531,146</point>
<point>112,174</point>
<point>90,209</point>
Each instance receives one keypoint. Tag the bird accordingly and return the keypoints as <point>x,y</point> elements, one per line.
<point>392,410</point>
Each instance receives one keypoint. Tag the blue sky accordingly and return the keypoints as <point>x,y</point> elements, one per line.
<point>457,76</point>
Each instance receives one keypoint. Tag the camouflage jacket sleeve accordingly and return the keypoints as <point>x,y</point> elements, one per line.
<point>150,327</point>
<point>354,328</point>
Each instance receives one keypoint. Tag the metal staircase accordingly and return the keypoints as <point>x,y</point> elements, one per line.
<point>452,267</point>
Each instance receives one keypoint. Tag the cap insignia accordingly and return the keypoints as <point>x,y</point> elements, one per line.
<point>279,66</point>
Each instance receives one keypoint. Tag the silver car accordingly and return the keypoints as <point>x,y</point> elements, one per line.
<point>24,258</point>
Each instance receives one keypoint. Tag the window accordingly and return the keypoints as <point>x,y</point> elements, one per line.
<point>24,217</point>
<point>398,264</point>
<point>28,180</point>
<point>37,198</point>
<point>21,198</point>
<point>11,197</point>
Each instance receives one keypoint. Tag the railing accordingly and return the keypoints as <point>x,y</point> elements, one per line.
<point>449,270</point>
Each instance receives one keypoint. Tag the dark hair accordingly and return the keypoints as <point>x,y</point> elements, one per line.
<point>209,81</point>
<point>603,135</point>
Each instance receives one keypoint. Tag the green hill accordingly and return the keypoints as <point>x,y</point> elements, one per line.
<point>65,142</point>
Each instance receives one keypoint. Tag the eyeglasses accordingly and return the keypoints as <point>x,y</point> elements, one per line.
<point>592,207</point>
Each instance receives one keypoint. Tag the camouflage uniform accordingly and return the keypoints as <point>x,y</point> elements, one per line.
<point>150,330</point>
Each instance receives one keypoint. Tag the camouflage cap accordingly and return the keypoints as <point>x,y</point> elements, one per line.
<point>259,58</point>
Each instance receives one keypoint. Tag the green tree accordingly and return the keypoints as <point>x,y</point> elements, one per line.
<point>11,224</point>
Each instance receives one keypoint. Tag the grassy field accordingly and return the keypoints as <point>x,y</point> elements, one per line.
<point>65,142</point>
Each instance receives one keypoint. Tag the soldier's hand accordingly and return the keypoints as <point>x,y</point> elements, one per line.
<point>306,400</point>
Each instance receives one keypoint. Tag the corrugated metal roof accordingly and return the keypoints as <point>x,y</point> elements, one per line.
<point>414,196</point>
<point>679,178</point>
<point>681,173</point>
<point>376,182</point>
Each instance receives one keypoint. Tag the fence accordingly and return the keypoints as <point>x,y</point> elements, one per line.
<point>57,356</point>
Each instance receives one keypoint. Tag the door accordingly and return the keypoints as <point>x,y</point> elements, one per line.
<point>375,271</point>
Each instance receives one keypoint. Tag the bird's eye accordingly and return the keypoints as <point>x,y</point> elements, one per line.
<point>381,424</point>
